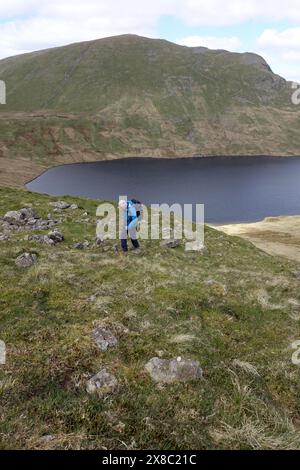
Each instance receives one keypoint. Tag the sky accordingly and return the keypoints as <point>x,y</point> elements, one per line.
<point>270,28</point>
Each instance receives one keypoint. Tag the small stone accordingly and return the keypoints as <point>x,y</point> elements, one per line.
<point>81,245</point>
<point>59,205</point>
<point>104,338</point>
<point>47,438</point>
<point>26,260</point>
<point>73,206</point>
<point>216,286</point>
<point>174,370</point>
<point>296,274</point>
<point>56,237</point>
<point>36,238</point>
<point>98,241</point>
<point>170,243</point>
<point>3,237</point>
<point>102,383</point>
<point>203,251</point>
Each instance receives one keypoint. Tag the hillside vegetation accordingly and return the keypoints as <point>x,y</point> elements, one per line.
<point>234,309</point>
<point>130,95</point>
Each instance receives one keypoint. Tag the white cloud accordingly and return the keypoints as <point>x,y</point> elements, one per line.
<point>288,38</point>
<point>212,42</point>
<point>283,50</point>
<point>230,12</point>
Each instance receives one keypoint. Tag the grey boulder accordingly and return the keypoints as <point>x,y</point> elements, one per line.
<point>102,383</point>
<point>173,370</point>
<point>56,237</point>
<point>104,338</point>
<point>26,260</point>
<point>3,237</point>
<point>51,239</point>
<point>59,205</point>
<point>171,243</point>
<point>21,217</point>
<point>82,245</point>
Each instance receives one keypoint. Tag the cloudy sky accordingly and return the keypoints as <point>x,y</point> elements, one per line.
<point>268,27</point>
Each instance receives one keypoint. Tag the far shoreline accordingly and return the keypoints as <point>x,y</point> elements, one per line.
<point>277,236</point>
<point>18,172</point>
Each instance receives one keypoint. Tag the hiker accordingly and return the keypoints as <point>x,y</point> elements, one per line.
<point>132,214</point>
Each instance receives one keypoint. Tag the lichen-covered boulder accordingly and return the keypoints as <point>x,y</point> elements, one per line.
<point>102,383</point>
<point>26,260</point>
<point>173,370</point>
<point>104,338</point>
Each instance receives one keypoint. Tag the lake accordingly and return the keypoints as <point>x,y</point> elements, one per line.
<point>233,189</point>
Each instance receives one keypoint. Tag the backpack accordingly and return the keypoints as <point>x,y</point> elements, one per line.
<point>138,207</point>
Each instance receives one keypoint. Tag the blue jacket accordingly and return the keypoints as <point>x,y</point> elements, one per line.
<point>130,216</point>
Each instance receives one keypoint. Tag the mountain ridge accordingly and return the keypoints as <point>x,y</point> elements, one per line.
<point>133,96</point>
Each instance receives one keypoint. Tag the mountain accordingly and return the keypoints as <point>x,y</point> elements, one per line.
<point>129,95</point>
<point>234,310</point>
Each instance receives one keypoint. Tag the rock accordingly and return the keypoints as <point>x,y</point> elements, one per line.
<point>98,241</point>
<point>104,338</point>
<point>3,237</point>
<point>47,438</point>
<point>102,383</point>
<point>59,205</point>
<point>203,250</point>
<point>81,245</point>
<point>296,274</point>
<point>218,287</point>
<point>36,238</point>
<point>27,219</point>
<point>170,243</point>
<point>73,206</point>
<point>174,370</point>
<point>26,260</point>
<point>21,217</point>
<point>51,239</point>
<point>56,237</point>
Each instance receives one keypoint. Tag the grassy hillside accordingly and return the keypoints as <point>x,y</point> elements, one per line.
<point>129,95</point>
<point>235,310</point>
<point>116,71</point>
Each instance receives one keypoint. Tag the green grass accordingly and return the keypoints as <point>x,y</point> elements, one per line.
<point>157,302</point>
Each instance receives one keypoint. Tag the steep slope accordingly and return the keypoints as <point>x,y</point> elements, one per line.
<point>234,310</point>
<point>116,71</point>
<point>129,95</point>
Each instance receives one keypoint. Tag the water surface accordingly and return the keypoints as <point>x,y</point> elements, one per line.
<point>233,189</point>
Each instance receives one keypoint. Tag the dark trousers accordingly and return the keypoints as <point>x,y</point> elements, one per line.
<point>133,235</point>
